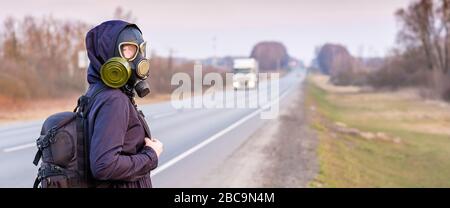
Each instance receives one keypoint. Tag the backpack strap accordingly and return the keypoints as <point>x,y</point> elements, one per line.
<point>85,102</point>
<point>144,123</point>
<point>141,115</point>
<point>83,144</point>
<point>48,170</point>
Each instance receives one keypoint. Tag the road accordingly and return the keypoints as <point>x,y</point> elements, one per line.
<point>196,140</point>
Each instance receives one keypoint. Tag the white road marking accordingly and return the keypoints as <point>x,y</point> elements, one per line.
<point>20,147</point>
<point>162,115</point>
<point>216,136</point>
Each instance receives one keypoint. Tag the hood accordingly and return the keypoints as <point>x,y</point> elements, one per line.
<point>100,46</point>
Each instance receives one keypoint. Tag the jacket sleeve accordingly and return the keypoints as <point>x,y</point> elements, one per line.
<point>106,161</point>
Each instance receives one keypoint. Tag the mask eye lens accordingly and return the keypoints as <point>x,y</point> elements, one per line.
<point>128,51</point>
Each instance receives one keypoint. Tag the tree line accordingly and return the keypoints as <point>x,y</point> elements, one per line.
<point>420,59</point>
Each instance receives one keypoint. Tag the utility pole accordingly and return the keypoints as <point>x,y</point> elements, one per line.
<point>169,61</point>
<point>83,63</point>
<point>278,65</point>
<point>214,47</point>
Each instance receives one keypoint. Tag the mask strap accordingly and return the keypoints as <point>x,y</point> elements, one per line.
<point>129,93</point>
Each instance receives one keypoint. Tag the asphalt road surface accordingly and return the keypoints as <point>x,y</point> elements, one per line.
<point>196,140</point>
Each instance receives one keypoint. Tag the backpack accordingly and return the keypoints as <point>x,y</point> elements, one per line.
<point>63,146</point>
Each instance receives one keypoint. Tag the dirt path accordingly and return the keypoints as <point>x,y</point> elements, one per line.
<point>281,154</point>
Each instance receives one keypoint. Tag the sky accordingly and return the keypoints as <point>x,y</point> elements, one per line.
<point>202,28</point>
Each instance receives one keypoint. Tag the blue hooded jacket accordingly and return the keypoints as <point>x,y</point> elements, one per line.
<point>118,155</point>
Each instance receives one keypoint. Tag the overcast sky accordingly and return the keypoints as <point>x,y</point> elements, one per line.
<point>367,27</point>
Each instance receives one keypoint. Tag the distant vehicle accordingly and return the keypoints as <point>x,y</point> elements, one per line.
<point>245,73</point>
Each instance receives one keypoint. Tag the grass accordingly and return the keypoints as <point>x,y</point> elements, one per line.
<point>422,159</point>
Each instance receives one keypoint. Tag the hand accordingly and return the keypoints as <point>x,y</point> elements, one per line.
<point>155,145</point>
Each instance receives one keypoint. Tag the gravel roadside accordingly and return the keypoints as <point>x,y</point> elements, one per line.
<point>280,154</point>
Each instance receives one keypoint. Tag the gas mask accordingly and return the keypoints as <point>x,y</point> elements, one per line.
<point>129,68</point>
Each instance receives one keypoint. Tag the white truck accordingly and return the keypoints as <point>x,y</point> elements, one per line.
<point>245,73</point>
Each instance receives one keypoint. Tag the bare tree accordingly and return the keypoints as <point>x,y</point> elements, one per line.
<point>38,57</point>
<point>10,42</point>
<point>426,24</point>
<point>121,14</point>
